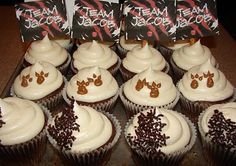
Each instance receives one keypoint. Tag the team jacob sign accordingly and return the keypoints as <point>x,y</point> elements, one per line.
<point>196,18</point>
<point>150,20</point>
<point>38,18</point>
<point>98,20</point>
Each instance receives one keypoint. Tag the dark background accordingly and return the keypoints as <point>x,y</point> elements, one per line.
<point>225,9</point>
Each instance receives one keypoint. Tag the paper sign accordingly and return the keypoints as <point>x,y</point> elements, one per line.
<point>96,20</point>
<point>196,19</point>
<point>150,20</point>
<point>39,18</point>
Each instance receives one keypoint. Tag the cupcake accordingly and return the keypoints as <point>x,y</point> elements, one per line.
<point>82,135</point>
<point>139,59</point>
<point>217,126</point>
<point>148,89</point>
<point>65,43</point>
<point>49,51</point>
<point>188,56</point>
<point>159,137</point>
<point>201,87</point>
<point>95,54</point>
<point>22,131</point>
<point>41,83</point>
<point>94,87</point>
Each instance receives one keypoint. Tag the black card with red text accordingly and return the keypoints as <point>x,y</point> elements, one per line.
<point>150,19</point>
<point>96,20</point>
<point>196,19</point>
<point>36,19</point>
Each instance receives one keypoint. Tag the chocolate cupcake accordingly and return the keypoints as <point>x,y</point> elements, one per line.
<point>94,87</point>
<point>95,54</point>
<point>49,51</point>
<point>148,89</point>
<point>139,59</point>
<point>83,136</point>
<point>203,86</point>
<point>217,127</point>
<point>159,137</point>
<point>22,131</point>
<point>189,56</point>
<point>41,83</point>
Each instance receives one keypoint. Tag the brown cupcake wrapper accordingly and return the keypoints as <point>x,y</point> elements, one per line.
<point>121,51</point>
<point>132,108</point>
<point>106,106</point>
<point>49,103</point>
<point>215,154</point>
<point>126,75</point>
<point>192,109</point>
<point>64,68</point>
<point>27,153</point>
<point>166,52</point>
<point>141,158</point>
<point>177,72</point>
<point>98,156</point>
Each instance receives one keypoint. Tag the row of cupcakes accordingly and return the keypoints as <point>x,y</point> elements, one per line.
<point>84,136</point>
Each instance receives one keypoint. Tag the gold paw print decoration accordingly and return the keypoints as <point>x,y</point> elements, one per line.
<point>82,90</point>
<point>154,87</point>
<point>41,77</point>
<point>25,80</point>
<point>195,78</point>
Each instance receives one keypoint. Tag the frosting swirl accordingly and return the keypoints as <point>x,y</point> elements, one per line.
<point>23,119</point>
<point>205,83</point>
<point>94,54</point>
<point>153,81</point>
<point>95,129</point>
<point>46,50</point>
<point>175,129</point>
<point>192,55</point>
<point>140,58</point>
<point>37,81</point>
<point>92,84</point>
<point>127,46</point>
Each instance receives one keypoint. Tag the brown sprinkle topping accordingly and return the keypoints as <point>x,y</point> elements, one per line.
<point>63,128</point>
<point>222,131</point>
<point>149,137</point>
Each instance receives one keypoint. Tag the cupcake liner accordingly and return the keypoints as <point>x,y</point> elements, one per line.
<point>177,72</point>
<point>27,153</point>
<point>64,68</point>
<point>105,105</point>
<point>133,108</point>
<point>192,109</point>
<point>126,75</point>
<point>121,51</point>
<point>141,158</point>
<point>49,102</point>
<point>113,70</point>
<point>99,156</point>
<point>166,52</point>
<point>215,154</point>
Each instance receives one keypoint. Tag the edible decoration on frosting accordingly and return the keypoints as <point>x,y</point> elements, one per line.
<point>63,128</point>
<point>82,85</point>
<point>222,131</point>
<point>25,79</point>
<point>149,137</point>
<point>41,77</point>
<point>209,76</point>
<point>153,87</point>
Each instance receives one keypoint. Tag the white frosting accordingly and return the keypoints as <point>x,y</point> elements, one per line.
<point>176,128</point>
<point>228,110</point>
<point>65,43</point>
<point>178,45</point>
<point>95,129</point>
<point>23,119</point>
<point>94,54</point>
<point>35,90</point>
<point>140,58</point>
<point>167,91</point>
<point>127,46</point>
<point>192,55</point>
<point>222,88</point>
<point>107,89</point>
<point>46,50</point>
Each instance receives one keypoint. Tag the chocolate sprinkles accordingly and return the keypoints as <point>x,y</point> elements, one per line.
<point>149,137</point>
<point>63,128</point>
<point>222,131</point>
